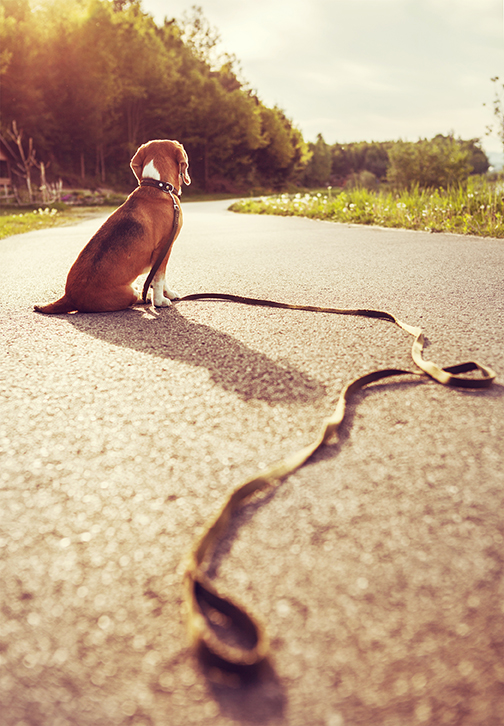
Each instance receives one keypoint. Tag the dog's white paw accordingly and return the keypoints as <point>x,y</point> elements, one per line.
<point>162,294</point>
<point>161,302</point>
<point>171,294</point>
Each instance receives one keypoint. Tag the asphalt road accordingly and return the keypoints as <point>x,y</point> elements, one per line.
<point>377,568</point>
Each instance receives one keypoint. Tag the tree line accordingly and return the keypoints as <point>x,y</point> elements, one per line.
<point>443,161</point>
<point>90,80</point>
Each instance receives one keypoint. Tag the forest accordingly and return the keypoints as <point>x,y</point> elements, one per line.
<point>90,80</point>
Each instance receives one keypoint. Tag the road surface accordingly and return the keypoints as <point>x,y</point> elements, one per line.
<point>377,568</point>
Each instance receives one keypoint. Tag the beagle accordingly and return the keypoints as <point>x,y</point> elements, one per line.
<point>129,241</point>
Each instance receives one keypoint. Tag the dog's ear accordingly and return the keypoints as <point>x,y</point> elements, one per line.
<point>183,164</point>
<point>183,170</point>
<point>137,162</point>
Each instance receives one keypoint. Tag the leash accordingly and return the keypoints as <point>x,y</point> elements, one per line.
<point>168,189</point>
<point>225,635</point>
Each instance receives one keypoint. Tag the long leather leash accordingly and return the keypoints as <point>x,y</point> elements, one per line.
<point>224,633</point>
<point>168,189</point>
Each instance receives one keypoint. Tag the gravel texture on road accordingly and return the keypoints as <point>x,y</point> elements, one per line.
<point>378,568</point>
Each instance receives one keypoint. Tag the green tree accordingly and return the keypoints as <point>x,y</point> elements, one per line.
<point>478,160</point>
<point>440,162</point>
<point>81,87</point>
<point>282,149</point>
<point>219,127</point>
<point>376,159</point>
<point>21,96</point>
<point>294,173</point>
<point>318,168</point>
<point>91,80</point>
<point>352,160</point>
<point>341,166</point>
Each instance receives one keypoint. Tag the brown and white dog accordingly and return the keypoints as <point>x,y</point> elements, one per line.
<point>128,243</point>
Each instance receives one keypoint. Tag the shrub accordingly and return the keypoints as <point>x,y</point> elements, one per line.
<point>363,180</point>
<point>441,162</point>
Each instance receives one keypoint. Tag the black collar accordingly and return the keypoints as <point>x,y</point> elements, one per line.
<point>157,184</point>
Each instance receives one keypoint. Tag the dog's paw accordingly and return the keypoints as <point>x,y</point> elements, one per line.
<point>162,302</point>
<point>170,294</point>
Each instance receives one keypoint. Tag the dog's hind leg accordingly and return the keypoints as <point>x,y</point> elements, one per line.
<point>108,301</point>
<point>122,298</point>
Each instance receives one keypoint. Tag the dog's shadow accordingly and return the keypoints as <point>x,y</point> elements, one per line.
<point>167,334</point>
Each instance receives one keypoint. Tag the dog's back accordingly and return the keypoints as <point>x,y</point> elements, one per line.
<point>111,245</point>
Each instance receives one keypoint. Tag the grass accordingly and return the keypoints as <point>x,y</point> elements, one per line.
<point>477,209</point>
<point>16,220</point>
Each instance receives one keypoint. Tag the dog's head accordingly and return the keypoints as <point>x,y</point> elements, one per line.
<point>162,159</point>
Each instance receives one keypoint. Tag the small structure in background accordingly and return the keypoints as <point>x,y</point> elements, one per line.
<point>7,159</point>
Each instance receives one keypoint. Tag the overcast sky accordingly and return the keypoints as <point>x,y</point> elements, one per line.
<point>365,70</point>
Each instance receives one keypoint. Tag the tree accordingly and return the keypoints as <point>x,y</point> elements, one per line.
<point>440,162</point>
<point>478,160</point>
<point>376,159</point>
<point>318,168</point>
<point>145,75</point>
<point>24,167</point>
<point>91,80</point>
<point>498,110</point>
<point>277,150</point>
<point>200,37</point>
<point>21,96</point>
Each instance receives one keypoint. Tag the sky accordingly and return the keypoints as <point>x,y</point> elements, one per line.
<point>365,70</point>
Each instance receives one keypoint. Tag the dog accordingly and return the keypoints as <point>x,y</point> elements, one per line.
<point>130,240</point>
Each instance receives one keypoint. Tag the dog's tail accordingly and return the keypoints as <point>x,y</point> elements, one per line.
<point>63,305</point>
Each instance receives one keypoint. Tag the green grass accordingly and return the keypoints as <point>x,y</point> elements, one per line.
<point>15,220</point>
<point>477,209</point>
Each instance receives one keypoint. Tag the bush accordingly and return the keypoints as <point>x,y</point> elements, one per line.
<point>363,180</point>
<point>439,163</point>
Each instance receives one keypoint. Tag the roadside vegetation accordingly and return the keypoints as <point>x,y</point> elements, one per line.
<point>436,185</point>
<point>474,209</point>
<point>15,220</point>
